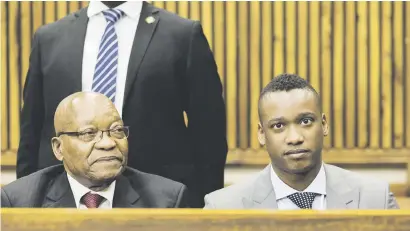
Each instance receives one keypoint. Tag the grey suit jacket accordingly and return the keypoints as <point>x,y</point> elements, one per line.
<point>344,189</point>
<point>49,188</point>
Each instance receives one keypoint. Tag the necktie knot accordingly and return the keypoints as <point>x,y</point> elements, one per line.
<point>92,200</point>
<point>303,200</point>
<point>113,15</point>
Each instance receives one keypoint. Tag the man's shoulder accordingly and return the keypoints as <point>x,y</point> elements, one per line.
<point>354,179</point>
<point>173,18</point>
<point>233,195</point>
<point>34,179</point>
<point>59,25</point>
<point>24,192</point>
<point>148,181</point>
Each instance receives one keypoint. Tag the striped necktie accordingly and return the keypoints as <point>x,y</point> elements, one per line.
<point>105,75</point>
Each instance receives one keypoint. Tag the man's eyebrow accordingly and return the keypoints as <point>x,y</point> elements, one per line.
<point>281,118</point>
<point>303,114</point>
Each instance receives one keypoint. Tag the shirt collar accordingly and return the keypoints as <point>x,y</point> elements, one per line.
<point>80,190</point>
<point>283,190</point>
<point>131,9</point>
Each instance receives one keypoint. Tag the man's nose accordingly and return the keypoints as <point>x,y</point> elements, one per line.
<point>106,142</point>
<point>294,137</point>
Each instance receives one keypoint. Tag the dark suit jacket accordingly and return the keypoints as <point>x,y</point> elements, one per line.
<point>171,70</point>
<point>49,187</point>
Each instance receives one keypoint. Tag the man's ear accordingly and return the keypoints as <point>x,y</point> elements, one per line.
<point>56,144</point>
<point>261,135</point>
<point>325,125</point>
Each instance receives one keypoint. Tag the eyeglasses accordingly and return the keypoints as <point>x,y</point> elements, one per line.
<point>96,135</point>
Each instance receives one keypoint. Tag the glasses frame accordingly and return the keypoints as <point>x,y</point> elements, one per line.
<point>100,135</point>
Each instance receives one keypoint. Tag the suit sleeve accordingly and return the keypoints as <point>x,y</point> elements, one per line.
<point>32,114</point>
<point>5,202</point>
<point>206,114</point>
<point>183,198</point>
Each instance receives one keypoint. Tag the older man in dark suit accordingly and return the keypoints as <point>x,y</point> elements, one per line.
<point>92,143</point>
<point>154,66</point>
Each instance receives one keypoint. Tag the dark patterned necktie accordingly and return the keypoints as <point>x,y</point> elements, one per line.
<point>92,200</point>
<point>303,200</point>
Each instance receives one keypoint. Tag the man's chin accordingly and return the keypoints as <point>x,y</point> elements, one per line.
<point>301,168</point>
<point>107,175</point>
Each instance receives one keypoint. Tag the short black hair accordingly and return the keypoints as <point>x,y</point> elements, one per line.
<point>288,82</point>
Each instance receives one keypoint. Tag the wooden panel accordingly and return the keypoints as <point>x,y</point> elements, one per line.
<point>386,75</point>
<point>183,9</point>
<point>267,61</point>
<point>49,13</point>
<point>61,9</point>
<point>171,6</point>
<point>338,74</point>
<point>231,68</point>
<point>243,73</point>
<point>291,27</point>
<point>73,6</point>
<point>350,75</point>
<point>219,44</point>
<point>160,4</point>
<point>326,57</point>
<point>279,38</point>
<point>38,15</point>
<point>302,32</point>
<point>84,4</point>
<point>255,76</point>
<point>362,74</point>
<point>186,219</point>
<point>374,50</point>
<point>25,39</point>
<point>4,78</point>
<point>13,86</point>
<point>314,39</point>
<point>407,74</point>
<point>398,74</point>
<point>207,21</point>
<point>194,11</point>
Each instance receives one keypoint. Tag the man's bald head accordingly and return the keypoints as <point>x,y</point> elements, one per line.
<point>74,104</point>
<point>91,139</point>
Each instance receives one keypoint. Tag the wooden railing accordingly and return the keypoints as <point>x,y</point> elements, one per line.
<point>198,220</point>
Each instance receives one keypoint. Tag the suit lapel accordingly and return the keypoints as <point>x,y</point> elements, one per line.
<point>143,36</point>
<point>340,195</point>
<point>125,195</point>
<point>263,196</point>
<point>59,194</point>
<point>73,56</point>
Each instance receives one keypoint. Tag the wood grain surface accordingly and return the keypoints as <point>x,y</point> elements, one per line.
<point>198,220</point>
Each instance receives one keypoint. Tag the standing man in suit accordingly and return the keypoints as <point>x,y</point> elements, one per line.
<point>91,141</point>
<point>292,127</point>
<point>154,66</point>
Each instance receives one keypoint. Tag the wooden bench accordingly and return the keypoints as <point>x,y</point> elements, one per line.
<point>198,220</point>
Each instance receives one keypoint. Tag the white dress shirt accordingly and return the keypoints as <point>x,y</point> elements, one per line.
<point>282,191</point>
<point>125,29</point>
<point>80,190</point>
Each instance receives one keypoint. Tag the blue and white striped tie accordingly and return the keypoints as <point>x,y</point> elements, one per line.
<point>105,75</point>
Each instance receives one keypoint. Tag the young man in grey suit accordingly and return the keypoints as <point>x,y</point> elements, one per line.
<point>91,141</point>
<point>292,127</point>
